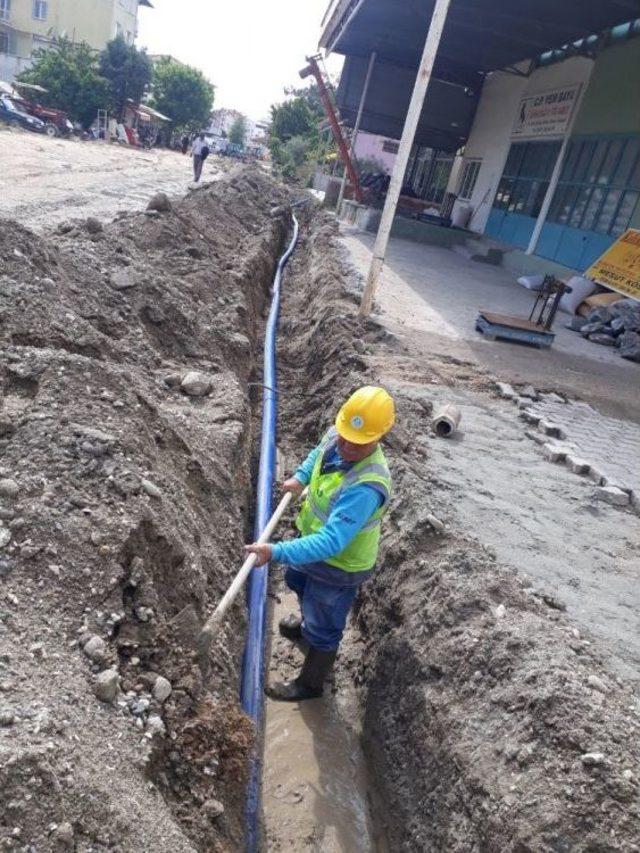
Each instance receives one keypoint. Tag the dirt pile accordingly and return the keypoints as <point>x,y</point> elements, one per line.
<point>490,722</point>
<point>125,450</point>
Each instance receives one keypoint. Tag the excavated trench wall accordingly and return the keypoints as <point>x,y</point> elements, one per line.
<point>489,722</point>
<point>126,439</point>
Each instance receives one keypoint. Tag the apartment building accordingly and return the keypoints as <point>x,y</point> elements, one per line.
<point>26,25</point>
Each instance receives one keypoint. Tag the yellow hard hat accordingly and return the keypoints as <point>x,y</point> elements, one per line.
<point>367,415</point>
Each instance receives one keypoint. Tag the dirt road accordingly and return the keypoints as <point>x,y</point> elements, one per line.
<point>45,181</point>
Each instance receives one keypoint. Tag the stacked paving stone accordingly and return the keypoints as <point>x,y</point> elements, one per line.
<point>616,325</point>
<point>570,433</point>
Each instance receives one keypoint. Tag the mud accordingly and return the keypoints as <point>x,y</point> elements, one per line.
<point>131,500</point>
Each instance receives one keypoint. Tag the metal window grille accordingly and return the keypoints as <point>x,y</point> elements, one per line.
<point>526,175</point>
<point>390,147</point>
<point>599,187</point>
<point>469,178</point>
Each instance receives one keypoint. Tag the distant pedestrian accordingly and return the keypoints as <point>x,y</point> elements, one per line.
<point>184,143</point>
<point>200,152</point>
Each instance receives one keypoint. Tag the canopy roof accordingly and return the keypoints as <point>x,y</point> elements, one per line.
<point>479,35</point>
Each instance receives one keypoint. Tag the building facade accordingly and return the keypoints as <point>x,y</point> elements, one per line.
<point>552,164</point>
<point>26,25</point>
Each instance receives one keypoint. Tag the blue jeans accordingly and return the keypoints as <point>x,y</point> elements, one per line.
<point>324,609</point>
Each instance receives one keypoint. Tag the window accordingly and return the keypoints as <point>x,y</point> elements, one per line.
<point>390,147</point>
<point>525,179</point>
<point>4,42</point>
<point>5,9</point>
<point>118,29</point>
<point>469,178</point>
<point>599,186</point>
<point>40,10</point>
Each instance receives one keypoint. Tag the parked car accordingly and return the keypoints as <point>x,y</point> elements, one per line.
<point>15,117</point>
<point>56,122</point>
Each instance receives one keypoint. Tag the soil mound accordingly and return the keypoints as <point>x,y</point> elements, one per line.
<point>125,449</point>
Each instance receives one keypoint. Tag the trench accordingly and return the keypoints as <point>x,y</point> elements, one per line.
<point>309,785</point>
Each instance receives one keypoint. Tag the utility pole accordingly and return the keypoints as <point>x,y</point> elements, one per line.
<point>356,127</point>
<point>423,78</point>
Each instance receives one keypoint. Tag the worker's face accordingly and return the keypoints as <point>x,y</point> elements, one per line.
<point>351,452</point>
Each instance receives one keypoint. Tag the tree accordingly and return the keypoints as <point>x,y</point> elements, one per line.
<point>292,118</point>
<point>238,131</point>
<point>69,73</point>
<point>129,72</point>
<point>182,93</point>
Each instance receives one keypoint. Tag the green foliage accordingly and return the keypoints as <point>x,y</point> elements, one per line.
<point>292,118</point>
<point>69,72</point>
<point>183,94</point>
<point>238,131</point>
<point>129,72</point>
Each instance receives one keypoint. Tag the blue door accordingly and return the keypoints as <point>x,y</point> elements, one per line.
<point>598,192</point>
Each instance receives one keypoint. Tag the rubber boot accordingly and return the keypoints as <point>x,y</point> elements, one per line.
<point>310,682</point>
<point>291,627</point>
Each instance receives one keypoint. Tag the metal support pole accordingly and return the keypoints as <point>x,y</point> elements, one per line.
<point>432,43</point>
<point>356,127</point>
<point>555,177</point>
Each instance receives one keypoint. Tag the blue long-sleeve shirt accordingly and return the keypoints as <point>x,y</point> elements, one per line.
<point>351,512</point>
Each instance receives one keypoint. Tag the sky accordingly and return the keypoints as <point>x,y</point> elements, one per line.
<point>249,49</point>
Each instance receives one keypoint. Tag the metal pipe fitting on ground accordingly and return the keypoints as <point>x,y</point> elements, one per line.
<point>253,665</point>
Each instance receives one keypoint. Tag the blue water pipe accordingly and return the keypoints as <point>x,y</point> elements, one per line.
<point>253,665</point>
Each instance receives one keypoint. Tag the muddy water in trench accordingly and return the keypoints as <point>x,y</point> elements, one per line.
<point>316,790</point>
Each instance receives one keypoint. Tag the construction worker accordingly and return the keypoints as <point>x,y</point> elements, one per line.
<point>339,523</point>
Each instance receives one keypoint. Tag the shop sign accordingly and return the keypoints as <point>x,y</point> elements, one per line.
<point>619,267</point>
<point>546,114</point>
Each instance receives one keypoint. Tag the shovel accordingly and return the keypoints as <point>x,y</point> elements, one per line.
<point>186,622</point>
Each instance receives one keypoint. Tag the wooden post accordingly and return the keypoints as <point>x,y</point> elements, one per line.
<point>356,127</point>
<point>432,43</point>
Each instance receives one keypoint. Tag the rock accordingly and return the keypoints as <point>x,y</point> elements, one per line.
<point>123,280</point>
<point>500,611</point>
<point>173,380</point>
<point>506,391</point>
<point>213,809</point>
<point>435,523</point>
<point>7,718</point>
<point>629,345</point>
<point>592,759</point>
<point>151,489</point>
<point>577,465</point>
<point>155,725</point>
<point>612,495</point>
<point>603,339</point>
<point>555,452</point>
<point>597,684</point>
<point>93,225</point>
<point>196,384</point>
<point>144,614</point>
<point>591,329</point>
<point>106,686</point>
<point>64,836</point>
<point>576,323</point>
<point>599,315</point>
<point>359,346</point>
<point>6,567</point>
<point>160,203</point>
<point>9,488</point>
<point>530,392</point>
<point>95,649</point>
<point>5,536</point>
<point>139,706</point>
<point>162,689</point>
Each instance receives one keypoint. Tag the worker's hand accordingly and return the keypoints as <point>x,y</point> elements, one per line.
<point>263,551</point>
<point>293,485</point>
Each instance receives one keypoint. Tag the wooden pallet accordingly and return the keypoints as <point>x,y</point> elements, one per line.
<point>519,329</point>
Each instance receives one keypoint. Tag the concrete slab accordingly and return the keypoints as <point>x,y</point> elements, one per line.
<point>430,298</point>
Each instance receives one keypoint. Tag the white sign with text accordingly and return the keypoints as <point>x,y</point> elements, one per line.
<point>546,114</point>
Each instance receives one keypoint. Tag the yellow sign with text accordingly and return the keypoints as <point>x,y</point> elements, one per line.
<point>619,267</point>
